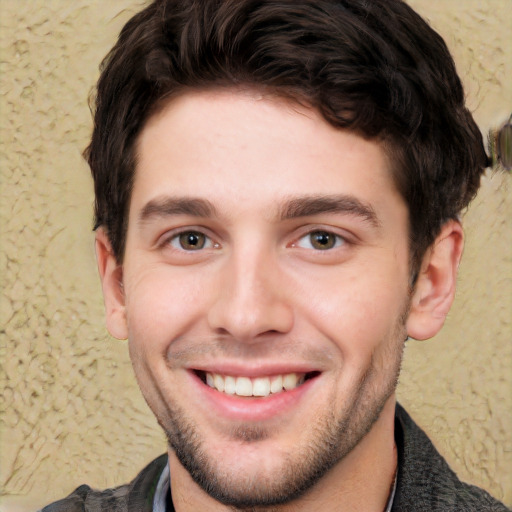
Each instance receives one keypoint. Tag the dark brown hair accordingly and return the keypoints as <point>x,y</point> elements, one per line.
<point>371,66</point>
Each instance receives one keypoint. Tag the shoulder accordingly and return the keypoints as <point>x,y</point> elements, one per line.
<point>426,482</point>
<point>84,498</point>
<point>135,496</point>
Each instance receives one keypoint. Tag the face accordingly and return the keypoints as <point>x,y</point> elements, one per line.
<point>264,291</point>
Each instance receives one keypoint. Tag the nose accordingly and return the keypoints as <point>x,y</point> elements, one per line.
<point>251,301</point>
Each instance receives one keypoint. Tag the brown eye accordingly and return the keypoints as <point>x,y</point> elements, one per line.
<point>192,240</point>
<point>320,240</point>
<point>323,240</point>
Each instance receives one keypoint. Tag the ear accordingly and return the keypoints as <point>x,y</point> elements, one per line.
<point>111,274</point>
<point>435,287</point>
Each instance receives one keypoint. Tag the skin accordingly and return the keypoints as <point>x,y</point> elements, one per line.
<point>258,298</point>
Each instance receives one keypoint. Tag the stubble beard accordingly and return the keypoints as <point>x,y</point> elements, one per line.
<point>333,437</point>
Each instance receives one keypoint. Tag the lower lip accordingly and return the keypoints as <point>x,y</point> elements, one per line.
<point>252,409</point>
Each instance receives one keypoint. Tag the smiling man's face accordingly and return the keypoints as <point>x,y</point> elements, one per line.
<point>265,291</point>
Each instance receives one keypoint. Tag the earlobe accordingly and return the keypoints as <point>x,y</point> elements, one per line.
<point>111,275</point>
<point>435,287</point>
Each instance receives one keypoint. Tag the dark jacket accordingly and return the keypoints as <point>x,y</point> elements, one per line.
<point>425,483</point>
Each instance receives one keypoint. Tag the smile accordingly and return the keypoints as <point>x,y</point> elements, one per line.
<point>258,386</point>
<point>250,396</point>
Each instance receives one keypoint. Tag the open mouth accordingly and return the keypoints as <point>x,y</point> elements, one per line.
<point>258,386</point>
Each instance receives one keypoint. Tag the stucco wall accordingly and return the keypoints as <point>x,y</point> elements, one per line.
<point>70,411</point>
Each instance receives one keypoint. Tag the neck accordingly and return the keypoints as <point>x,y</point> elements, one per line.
<point>360,482</point>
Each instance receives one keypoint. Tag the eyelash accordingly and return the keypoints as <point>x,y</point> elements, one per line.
<point>338,240</point>
<point>175,237</point>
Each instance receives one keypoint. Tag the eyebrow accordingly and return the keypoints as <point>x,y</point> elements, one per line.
<point>167,206</point>
<point>315,205</point>
<point>293,208</point>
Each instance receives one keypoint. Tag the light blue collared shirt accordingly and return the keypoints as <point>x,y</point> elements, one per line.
<point>162,488</point>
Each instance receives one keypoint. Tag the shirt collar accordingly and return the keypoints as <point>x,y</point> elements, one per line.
<point>162,488</point>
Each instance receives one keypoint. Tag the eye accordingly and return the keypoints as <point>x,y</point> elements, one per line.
<point>190,241</point>
<point>320,241</point>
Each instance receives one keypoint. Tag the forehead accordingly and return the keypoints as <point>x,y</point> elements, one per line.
<point>241,147</point>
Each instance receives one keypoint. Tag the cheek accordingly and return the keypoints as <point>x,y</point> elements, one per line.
<point>355,310</point>
<point>162,303</point>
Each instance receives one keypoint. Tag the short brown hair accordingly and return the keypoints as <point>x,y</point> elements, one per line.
<point>374,67</point>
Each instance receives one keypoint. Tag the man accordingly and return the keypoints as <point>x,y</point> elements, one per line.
<point>278,187</point>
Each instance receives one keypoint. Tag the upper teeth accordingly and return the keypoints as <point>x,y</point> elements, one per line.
<point>259,386</point>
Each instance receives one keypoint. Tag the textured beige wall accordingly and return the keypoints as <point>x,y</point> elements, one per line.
<point>70,411</point>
